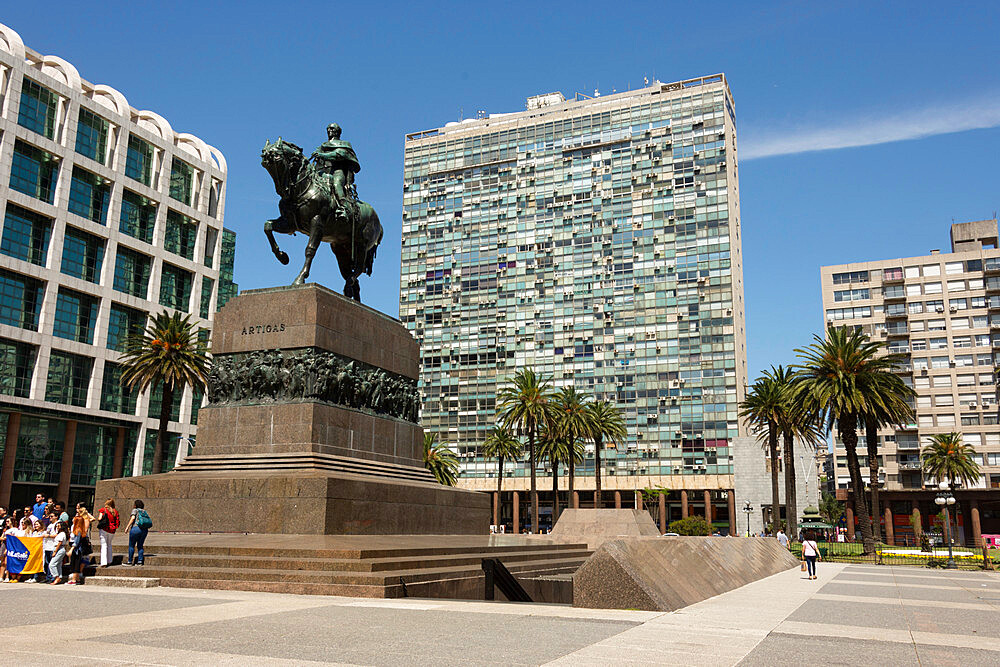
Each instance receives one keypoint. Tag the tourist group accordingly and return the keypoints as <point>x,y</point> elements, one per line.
<point>41,544</point>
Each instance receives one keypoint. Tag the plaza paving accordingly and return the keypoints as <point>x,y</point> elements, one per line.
<point>851,615</point>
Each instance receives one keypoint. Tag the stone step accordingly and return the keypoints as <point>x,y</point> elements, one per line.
<point>304,461</point>
<point>532,568</point>
<point>353,564</point>
<point>122,582</point>
<point>346,553</point>
<point>288,587</point>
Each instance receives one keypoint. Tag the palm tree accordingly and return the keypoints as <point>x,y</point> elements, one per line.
<point>167,353</point>
<point>793,422</point>
<point>607,426</point>
<point>440,460</point>
<point>947,458</point>
<point>836,380</point>
<point>556,450</point>
<point>890,404</point>
<point>573,423</point>
<point>501,444</point>
<point>763,408</point>
<point>524,405</point>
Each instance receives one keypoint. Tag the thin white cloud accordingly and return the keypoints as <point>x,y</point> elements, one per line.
<point>872,130</point>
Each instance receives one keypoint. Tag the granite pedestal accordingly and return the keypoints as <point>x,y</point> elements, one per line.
<point>299,464</point>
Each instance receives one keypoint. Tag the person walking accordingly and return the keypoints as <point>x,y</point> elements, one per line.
<point>59,542</point>
<point>107,524</point>
<point>810,551</point>
<point>782,538</point>
<point>138,527</point>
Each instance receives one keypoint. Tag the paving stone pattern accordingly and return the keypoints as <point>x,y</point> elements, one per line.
<point>784,619</point>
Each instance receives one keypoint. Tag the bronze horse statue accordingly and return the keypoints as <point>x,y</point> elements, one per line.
<point>308,205</point>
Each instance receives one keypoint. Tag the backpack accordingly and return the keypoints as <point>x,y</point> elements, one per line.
<point>142,520</point>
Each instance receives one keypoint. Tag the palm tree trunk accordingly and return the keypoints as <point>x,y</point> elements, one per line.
<point>572,467</point>
<point>555,490</point>
<point>534,489</point>
<point>161,434</point>
<point>597,472</point>
<point>871,436</point>
<point>496,510</point>
<point>772,443</point>
<point>791,502</point>
<point>847,429</point>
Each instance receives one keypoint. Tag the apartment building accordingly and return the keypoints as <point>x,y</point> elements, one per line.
<point>597,241</point>
<point>108,216</point>
<point>942,311</point>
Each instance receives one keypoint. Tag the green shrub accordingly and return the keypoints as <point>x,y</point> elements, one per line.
<point>935,562</point>
<point>693,525</point>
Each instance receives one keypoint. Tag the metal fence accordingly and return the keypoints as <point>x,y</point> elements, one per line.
<point>965,558</point>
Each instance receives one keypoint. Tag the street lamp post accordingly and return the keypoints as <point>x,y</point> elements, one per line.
<point>946,499</point>
<point>748,508</point>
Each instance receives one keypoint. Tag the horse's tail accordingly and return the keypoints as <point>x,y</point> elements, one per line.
<point>370,257</point>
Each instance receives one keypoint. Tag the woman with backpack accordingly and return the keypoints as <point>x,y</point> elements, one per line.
<point>138,527</point>
<point>107,524</point>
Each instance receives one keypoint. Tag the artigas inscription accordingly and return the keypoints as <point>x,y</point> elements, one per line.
<point>262,329</point>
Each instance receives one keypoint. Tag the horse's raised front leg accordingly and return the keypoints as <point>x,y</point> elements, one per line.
<point>276,225</point>
<point>315,237</point>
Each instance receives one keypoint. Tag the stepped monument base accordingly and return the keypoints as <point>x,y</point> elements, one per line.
<point>311,428</point>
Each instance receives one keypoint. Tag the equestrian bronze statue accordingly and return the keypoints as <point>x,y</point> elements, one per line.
<point>320,201</point>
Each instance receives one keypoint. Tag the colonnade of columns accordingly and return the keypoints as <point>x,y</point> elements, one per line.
<point>66,465</point>
<point>710,508</point>
<point>970,509</point>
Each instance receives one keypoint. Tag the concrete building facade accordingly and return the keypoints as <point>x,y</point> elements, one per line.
<point>597,241</point>
<point>108,216</point>
<point>942,311</point>
<point>752,477</point>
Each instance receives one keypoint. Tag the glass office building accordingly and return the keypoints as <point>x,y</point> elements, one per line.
<point>596,240</point>
<point>107,216</point>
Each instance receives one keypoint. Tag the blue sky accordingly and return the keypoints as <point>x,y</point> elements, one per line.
<point>904,98</point>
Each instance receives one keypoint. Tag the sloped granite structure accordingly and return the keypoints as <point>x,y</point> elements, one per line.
<point>311,431</point>
<point>594,527</point>
<point>667,573</point>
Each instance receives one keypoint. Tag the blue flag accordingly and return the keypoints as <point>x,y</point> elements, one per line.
<point>24,555</point>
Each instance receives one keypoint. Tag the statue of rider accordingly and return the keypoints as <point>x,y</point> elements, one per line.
<point>337,160</point>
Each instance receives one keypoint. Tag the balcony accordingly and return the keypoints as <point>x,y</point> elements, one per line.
<point>897,332</point>
<point>909,465</point>
<point>902,315</point>
<point>893,296</point>
<point>892,276</point>
<point>992,266</point>
<point>906,369</point>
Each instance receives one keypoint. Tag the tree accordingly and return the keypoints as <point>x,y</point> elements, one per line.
<point>524,405</point>
<point>556,450</point>
<point>651,499</point>
<point>607,426</point>
<point>763,408</point>
<point>889,400</point>
<point>440,460</point>
<point>835,381</point>
<point>949,459</point>
<point>692,525</point>
<point>831,508</point>
<point>501,444</point>
<point>794,421</point>
<point>573,422</point>
<point>168,354</point>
